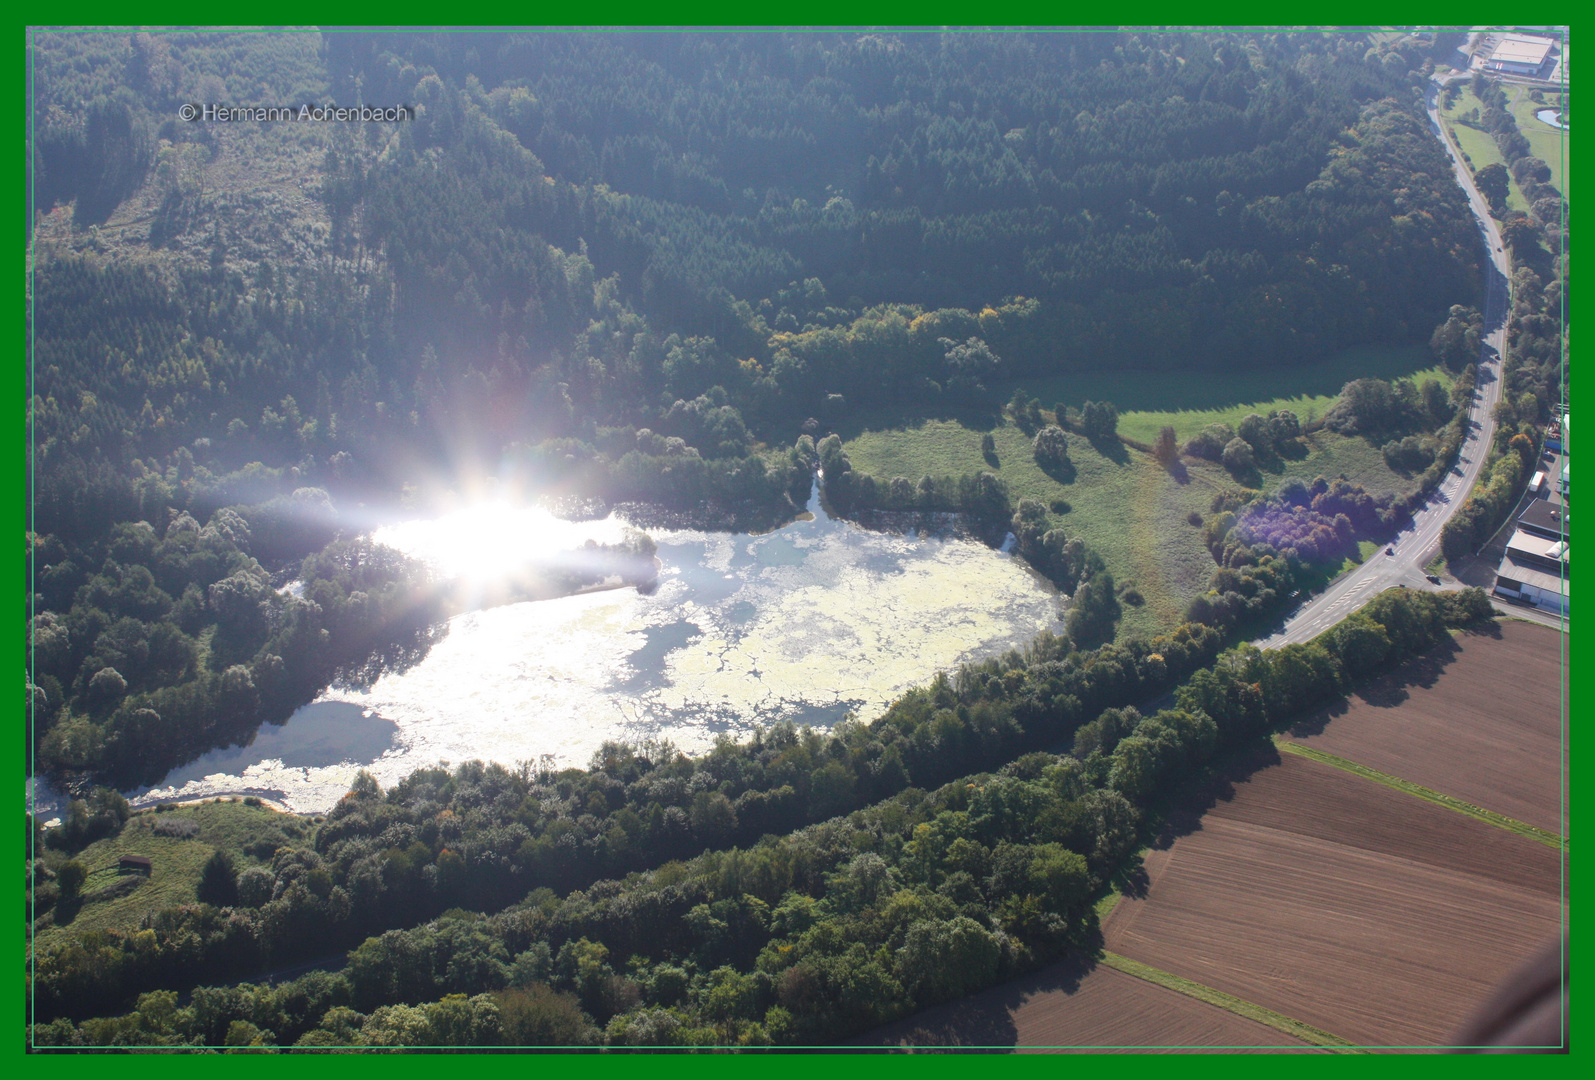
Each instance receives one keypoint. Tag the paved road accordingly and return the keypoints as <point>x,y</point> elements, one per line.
<point>1529,613</point>
<point>1420,541</point>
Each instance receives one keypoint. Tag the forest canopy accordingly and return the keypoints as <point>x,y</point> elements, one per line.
<point>586,228</point>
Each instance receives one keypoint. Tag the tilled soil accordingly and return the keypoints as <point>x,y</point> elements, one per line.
<point>1342,903</point>
<point>1480,721</point>
<point>1063,1007</point>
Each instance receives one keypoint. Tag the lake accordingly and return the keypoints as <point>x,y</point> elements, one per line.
<point>811,622</point>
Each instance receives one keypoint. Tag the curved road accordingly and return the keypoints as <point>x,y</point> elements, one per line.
<point>1419,542</point>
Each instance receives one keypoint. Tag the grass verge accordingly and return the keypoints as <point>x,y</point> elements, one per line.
<point>1479,146</point>
<point>1278,1021</point>
<point>1105,906</point>
<point>1125,506</point>
<point>1550,145</point>
<point>1500,821</point>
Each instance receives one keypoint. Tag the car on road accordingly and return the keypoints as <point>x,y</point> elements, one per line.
<point>1390,551</point>
<point>1432,579</point>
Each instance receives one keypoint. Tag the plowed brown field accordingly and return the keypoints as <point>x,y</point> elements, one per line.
<point>1342,903</point>
<point>1480,721</point>
<point>1060,1007</point>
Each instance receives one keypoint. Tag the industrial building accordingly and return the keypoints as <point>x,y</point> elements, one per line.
<point>1534,568</point>
<point>1519,54</point>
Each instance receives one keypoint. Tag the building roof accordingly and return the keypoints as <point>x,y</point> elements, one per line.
<point>1525,574</point>
<point>1545,518</point>
<point>1517,49</point>
<point>1533,546</point>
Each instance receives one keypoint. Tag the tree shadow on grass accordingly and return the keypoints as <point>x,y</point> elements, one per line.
<point>1063,471</point>
<point>1269,463</point>
<point>1132,880</point>
<point>1179,472</point>
<point>66,910</point>
<point>1112,449</point>
<point>1292,449</point>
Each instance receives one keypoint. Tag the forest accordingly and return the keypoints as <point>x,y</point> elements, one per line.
<point>615,266</point>
<point>581,230</point>
<point>504,930</point>
<point>662,270</point>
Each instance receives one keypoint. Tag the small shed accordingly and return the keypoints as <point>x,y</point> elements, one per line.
<point>137,864</point>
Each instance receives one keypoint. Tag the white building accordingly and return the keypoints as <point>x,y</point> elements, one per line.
<point>1519,54</point>
<point>1534,569</point>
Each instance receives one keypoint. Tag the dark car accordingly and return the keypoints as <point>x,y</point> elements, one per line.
<point>1432,579</point>
<point>1390,551</point>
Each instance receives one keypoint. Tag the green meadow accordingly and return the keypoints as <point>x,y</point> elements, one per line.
<point>175,861</point>
<point>1551,145</point>
<point>1479,146</point>
<point>1132,511</point>
<point>1189,401</point>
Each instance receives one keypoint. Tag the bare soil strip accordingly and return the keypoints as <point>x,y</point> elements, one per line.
<point>1342,903</point>
<point>1479,719</point>
<point>1070,1008</point>
<point>1500,821</point>
<point>1305,1032</point>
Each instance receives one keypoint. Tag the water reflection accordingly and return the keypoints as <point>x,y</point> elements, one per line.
<point>806,623</point>
<point>402,649</point>
<point>317,737</point>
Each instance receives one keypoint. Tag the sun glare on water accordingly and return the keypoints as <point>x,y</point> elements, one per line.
<point>490,541</point>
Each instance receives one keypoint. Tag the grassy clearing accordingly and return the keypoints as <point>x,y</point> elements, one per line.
<point>1278,1021</point>
<point>1144,425</point>
<point>1191,400</point>
<point>1500,821</point>
<point>1479,146</point>
<point>1131,511</point>
<point>1551,145</point>
<point>175,862</point>
<point>1128,509</point>
<point>1332,455</point>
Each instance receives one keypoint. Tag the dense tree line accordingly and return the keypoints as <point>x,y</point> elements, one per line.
<point>487,835</point>
<point>1537,323</point>
<point>1493,497</point>
<point>150,648</point>
<point>1532,174</point>
<point>807,937</point>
